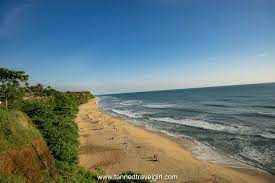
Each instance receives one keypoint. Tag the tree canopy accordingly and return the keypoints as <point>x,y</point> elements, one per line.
<point>8,76</point>
<point>10,85</point>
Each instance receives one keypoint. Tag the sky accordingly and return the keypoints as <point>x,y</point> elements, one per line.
<point>113,46</point>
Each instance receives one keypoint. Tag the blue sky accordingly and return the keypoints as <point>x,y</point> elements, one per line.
<point>110,46</point>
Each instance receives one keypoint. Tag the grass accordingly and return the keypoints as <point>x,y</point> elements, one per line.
<point>12,179</point>
<point>16,130</point>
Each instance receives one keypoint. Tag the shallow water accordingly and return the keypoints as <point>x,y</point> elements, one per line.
<point>237,121</point>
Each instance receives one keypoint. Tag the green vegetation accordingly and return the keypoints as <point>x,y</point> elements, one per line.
<point>56,123</point>
<point>74,173</point>
<point>52,113</point>
<point>54,117</point>
<point>80,97</point>
<point>10,91</point>
<point>31,112</point>
<point>16,130</point>
<point>12,179</point>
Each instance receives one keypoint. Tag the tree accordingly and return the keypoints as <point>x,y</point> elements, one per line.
<point>10,84</point>
<point>27,85</point>
<point>38,90</point>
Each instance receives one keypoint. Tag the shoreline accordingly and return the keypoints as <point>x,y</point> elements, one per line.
<point>190,145</point>
<point>101,146</point>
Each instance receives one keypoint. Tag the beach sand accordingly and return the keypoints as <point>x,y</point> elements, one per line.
<point>117,146</point>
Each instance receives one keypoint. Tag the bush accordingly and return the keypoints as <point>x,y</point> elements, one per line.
<point>55,119</point>
<point>65,105</point>
<point>71,172</point>
<point>80,97</point>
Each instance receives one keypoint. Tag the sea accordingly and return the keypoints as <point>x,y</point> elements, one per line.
<point>231,125</point>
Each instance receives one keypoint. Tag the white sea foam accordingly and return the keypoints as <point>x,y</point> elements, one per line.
<point>130,102</point>
<point>201,124</point>
<point>204,151</point>
<point>151,128</point>
<point>168,133</point>
<point>268,135</point>
<point>126,113</point>
<point>107,98</point>
<point>158,106</point>
<point>252,153</point>
<point>270,114</point>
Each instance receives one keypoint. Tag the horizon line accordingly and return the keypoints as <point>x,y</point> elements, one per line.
<point>202,87</point>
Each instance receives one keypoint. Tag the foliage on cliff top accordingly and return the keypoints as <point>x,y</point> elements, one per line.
<point>16,130</point>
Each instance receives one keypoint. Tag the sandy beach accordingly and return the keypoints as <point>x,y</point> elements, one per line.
<point>117,146</point>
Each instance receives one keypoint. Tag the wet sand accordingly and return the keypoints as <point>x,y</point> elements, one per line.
<point>117,146</point>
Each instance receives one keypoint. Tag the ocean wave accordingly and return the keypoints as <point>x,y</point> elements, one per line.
<point>255,155</point>
<point>225,99</point>
<point>216,127</point>
<point>106,97</point>
<point>217,105</point>
<point>268,135</point>
<point>151,128</point>
<point>158,106</point>
<point>265,106</point>
<point>173,108</point>
<point>127,113</point>
<point>202,124</point>
<point>257,114</point>
<point>130,102</point>
<point>169,133</point>
<point>206,152</point>
<point>105,100</point>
